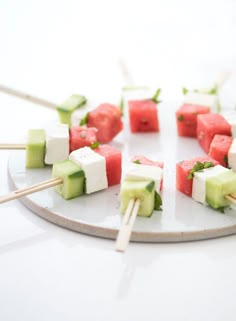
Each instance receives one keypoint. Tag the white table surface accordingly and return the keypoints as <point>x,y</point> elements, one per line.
<point>54,48</point>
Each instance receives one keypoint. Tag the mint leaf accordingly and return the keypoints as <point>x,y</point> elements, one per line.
<point>158,202</point>
<point>95,145</point>
<point>84,120</point>
<point>156,96</point>
<point>180,117</point>
<point>137,161</point>
<point>185,90</point>
<point>150,186</point>
<point>198,166</point>
<point>208,164</point>
<point>221,209</point>
<point>122,105</point>
<point>213,91</point>
<point>226,160</point>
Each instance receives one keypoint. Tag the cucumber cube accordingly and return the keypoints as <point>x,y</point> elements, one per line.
<point>218,187</point>
<point>35,148</point>
<point>142,190</point>
<point>66,109</point>
<point>73,179</point>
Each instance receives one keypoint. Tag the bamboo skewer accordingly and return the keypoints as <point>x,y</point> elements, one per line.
<point>13,146</point>
<point>222,78</point>
<point>125,72</point>
<point>231,198</point>
<point>25,96</point>
<point>31,189</point>
<point>124,234</point>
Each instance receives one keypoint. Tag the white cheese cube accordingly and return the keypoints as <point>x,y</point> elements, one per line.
<point>232,155</point>
<point>136,172</point>
<point>57,144</point>
<point>230,117</point>
<point>199,182</point>
<point>201,99</point>
<point>94,167</point>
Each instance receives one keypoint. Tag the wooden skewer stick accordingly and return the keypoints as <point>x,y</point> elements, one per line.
<point>222,78</point>
<point>12,146</point>
<point>31,189</point>
<point>25,96</point>
<point>124,234</point>
<point>231,198</point>
<point>128,79</point>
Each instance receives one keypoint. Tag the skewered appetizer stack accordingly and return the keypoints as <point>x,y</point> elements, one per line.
<point>85,171</point>
<point>47,147</point>
<point>139,195</point>
<point>142,107</point>
<point>104,158</point>
<point>142,180</point>
<point>194,103</point>
<point>106,118</point>
<point>206,181</point>
<point>197,102</point>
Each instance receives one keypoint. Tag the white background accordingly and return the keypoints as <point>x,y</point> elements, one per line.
<point>54,48</point>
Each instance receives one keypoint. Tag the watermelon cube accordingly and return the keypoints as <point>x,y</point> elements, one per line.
<point>146,161</point>
<point>219,148</point>
<point>208,125</point>
<point>107,119</point>
<point>81,137</point>
<point>143,116</point>
<point>113,159</point>
<point>183,169</point>
<point>186,119</point>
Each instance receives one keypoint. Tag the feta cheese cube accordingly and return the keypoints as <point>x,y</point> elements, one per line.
<point>199,182</point>
<point>94,167</point>
<point>230,117</point>
<point>202,99</point>
<point>136,172</point>
<point>57,144</point>
<point>232,155</point>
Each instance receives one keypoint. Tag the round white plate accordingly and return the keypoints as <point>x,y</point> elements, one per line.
<point>182,219</point>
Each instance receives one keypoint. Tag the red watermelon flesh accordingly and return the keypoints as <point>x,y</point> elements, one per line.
<point>107,119</point>
<point>81,137</point>
<point>183,184</point>
<point>146,161</point>
<point>219,149</point>
<point>113,158</point>
<point>208,126</point>
<point>186,119</point>
<point>143,116</point>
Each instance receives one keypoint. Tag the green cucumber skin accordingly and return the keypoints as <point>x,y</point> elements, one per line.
<point>218,187</point>
<point>138,190</point>
<point>35,148</point>
<point>73,179</point>
<point>65,116</point>
<point>66,109</point>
